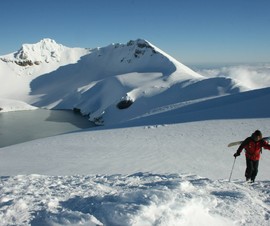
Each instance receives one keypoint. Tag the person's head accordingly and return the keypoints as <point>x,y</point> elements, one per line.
<point>257,135</point>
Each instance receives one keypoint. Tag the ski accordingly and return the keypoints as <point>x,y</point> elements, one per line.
<point>234,143</point>
<point>239,142</point>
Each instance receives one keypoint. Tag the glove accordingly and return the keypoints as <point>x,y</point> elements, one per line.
<point>236,154</point>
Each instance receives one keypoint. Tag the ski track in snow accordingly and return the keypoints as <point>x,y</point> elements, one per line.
<point>138,199</point>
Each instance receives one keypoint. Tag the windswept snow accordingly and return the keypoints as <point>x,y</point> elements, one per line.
<point>141,199</point>
<point>162,156</point>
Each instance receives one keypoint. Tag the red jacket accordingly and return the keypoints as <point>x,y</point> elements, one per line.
<point>253,148</point>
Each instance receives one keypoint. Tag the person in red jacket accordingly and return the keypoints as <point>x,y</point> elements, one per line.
<point>253,146</point>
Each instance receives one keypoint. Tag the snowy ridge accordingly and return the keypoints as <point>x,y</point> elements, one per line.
<point>139,199</point>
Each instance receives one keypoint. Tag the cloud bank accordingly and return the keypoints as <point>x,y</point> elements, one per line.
<point>250,76</point>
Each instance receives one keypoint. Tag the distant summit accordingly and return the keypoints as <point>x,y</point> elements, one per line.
<point>45,51</point>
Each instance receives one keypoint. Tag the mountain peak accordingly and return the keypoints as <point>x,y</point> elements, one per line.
<point>138,41</point>
<point>47,43</point>
<point>44,50</point>
<point>141,43</point>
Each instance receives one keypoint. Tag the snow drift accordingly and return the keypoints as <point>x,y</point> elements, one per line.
<point>141,199</point>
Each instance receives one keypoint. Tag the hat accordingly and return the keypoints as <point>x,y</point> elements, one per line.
<point>257,133</point>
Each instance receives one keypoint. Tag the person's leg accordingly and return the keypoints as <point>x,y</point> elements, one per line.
<point>255,170</point>
<point>249,169</point>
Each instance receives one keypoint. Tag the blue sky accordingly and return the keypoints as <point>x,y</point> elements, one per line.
<point>192,31</point>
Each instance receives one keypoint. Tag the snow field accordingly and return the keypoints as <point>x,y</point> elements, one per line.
<point>199,148</point>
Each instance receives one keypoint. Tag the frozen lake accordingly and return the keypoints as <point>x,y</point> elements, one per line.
<point>21,126</point>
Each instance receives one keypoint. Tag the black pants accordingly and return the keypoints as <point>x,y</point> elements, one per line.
<point>252,169</point>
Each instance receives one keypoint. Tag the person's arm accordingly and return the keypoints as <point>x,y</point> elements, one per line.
<point>241,147</point>
<point>265,145</point>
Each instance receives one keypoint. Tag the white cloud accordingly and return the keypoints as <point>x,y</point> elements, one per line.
<point>250,76</point>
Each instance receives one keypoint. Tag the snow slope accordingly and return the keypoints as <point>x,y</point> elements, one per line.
<point>162,161</point>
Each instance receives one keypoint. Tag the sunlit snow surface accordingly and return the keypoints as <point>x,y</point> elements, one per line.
<point>138,199</point>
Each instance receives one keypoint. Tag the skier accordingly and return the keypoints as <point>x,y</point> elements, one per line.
<point>253,146</point>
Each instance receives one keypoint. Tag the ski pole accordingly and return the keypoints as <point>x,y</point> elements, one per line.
<point>232,169</point>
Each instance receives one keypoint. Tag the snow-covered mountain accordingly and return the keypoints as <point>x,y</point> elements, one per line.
<point>171,169</point>
<point>112,84</point>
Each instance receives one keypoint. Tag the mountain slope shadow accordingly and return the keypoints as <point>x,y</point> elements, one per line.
<point>63,84</point>
<point>250,104</point>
